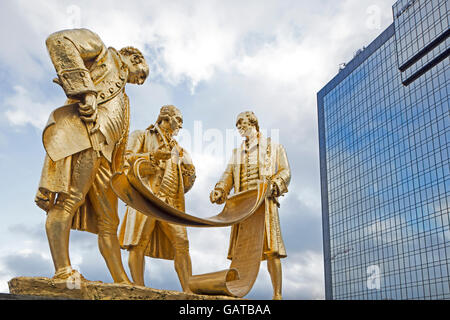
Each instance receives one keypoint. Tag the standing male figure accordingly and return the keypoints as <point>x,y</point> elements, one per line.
<point>170,174</point>
<point>74,188</point>
<point>258,158</point>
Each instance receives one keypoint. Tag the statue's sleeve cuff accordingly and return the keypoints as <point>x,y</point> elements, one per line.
<point>281,184</point>
<point>225,192</point>
<point>76,82</point>
<point>219,186</point>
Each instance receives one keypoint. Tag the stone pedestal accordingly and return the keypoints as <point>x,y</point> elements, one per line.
<point>96,290</point>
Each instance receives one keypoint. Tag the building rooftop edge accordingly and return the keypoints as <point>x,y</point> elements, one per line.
<point>357,60</point>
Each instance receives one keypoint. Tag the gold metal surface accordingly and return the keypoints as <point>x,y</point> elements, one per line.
<point>214,283</point>
<point>245,207</point>
<point>133,190</point>
<point>90,162</point>
<point>65,133</point>
<point>96,290</point>
<point>84,142</point>
<point>238,280</point>
<point>166,168</point>
<point>259,173</point>
<point>258,158</point>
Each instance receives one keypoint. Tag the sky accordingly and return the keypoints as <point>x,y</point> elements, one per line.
<point>211,59</point>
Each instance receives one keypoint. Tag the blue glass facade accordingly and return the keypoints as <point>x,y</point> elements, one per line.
<point>422,35</point>
<point>384,157</point>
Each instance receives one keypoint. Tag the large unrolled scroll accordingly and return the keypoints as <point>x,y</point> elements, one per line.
<point>245,208</point>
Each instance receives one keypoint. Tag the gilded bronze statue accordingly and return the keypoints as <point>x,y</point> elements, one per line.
<point>85,142</point>
<point>259,173</point>
<point>168,171</point>
<point>258,158</point>
<point>91,161</point>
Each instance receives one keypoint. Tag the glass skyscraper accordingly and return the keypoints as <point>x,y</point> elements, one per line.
<point>384,135</point>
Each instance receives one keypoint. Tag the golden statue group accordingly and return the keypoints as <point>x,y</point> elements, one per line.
<point>91,162</point>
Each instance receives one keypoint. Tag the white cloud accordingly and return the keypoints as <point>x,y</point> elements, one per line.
<point>4,278</point>
<point>193,46</point>
<point>287,52</point>
<point>209,249</point>
<point>192,41</point>
<point>23,109</point>
<point>303,276</point>
<point>309,197</point>
<point>145,103</point>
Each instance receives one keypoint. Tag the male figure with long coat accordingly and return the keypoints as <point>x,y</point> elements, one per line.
<point>258,158</point>
<point>83,154</point>
<point>170,175</point>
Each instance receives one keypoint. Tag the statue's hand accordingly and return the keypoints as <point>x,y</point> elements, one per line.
<point>88,108</point>
<point>147,166</point>
<point>147,169</point>
<point>187,170</point>
<point>217,196</point>
<point>274,190</point>
<point>162,154</point>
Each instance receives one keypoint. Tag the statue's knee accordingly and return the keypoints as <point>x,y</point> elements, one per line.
<point>52,220</point>
<point>271,256</point>
<point>107,229</point>
<point>63,210</point>
<point>70,203</point>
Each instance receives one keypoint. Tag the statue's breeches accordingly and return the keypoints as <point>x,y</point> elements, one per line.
<point>90,198</point>
<point>163,240</point>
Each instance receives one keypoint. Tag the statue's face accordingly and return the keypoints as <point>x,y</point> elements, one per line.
<point>176,122</point>
<point>138,69</point>
<point>172,123</point>
<point>244,127</point>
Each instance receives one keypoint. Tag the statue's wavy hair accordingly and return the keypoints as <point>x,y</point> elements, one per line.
<point>166,111</point>
<point>128,51</point>
<point>250,115</point>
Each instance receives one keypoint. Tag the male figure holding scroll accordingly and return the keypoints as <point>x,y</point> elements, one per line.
<point>169,174</point>
<point>258,158</point>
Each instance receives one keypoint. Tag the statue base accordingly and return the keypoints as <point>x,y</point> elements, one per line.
<point>96,290</point>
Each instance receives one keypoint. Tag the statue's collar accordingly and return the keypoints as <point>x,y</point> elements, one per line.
<point>251,142</point>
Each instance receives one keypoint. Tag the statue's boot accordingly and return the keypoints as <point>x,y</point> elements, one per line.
<point>57,228</point>
<point>110,250</point>
<point>136,263</point>
<point>274,267</point>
